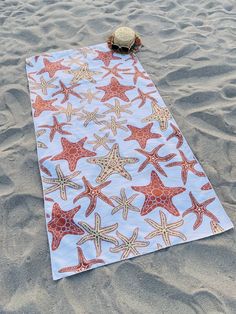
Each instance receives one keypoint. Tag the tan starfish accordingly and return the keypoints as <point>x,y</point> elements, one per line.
<point>83,73</point>
<point>61,182</point>
<point>75,60</point>
<point>92,116</point>
<point>215,227</point>
<point>164,229</point>
<point>124,203</point>
<point>129,245</point>
<point>89,96</point>
<point>85,51</point>
<point>118,108</point>
<point>40,144</point>
<point>113,125</point>
<point>112,163</point>
<point>43,85</point>
<point>69,111</point>
<point>97,234</point>
<point>159,114</point>
<point>40,132</point>
<point>101,141</point>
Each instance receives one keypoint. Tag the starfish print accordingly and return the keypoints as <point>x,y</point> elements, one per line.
<point>89,96</point>
<point>159,114</point>
<point>43,55</point>
<point>187,165</point>
<point>93,193</point>
<point>215,227</point>
<point>165,230</point>
<point>62,224</point>
<point>85,51</point>
<point>61,182</point>
<point>113,125</point>
<point>199,209</point>
<point>83,265</point>
<point>52,67</point>
<point>112,163</point>
<point>43,85</point>
<point>115,89</point>
<point>98,234</point>
<point>82,74</point>
<point>72,152</point>
<point>138,74</point>
<point>144,97</point>
<point>106,57</point>
<point>114,71</point>
<point>176,133</point>
<point>56,127</point>
<point>158,195</point>
<point>40,132</point>
<point>92,116</point>
<point>40,144</point>
<point>129,245</point>
<point>28,63</point>
<point>124,203</point>
<point>101,141</point>
<point>141,135</point>
<point>41,105</point>
<point>153,158</point>
<point>67,91</point>
<point>118,108</point>
<point>133,58</point>
<point>69,111</point>
<point>31,77</point>
<point>42,167</point>
<point>74,60</point>
<point>206,187</point>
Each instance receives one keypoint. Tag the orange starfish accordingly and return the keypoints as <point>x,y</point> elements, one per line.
<point>153,158</point>
<point>93,193</point>
<point>144,97</point>
<point>141,135</point>
<point>56,127</point>
<point>176,133</point>
<point>115,89</point>
<point>62,223</point>
<point>206,187</point>
<point>106,57</point>
<point>158,195</point>
<point>114,71</point>
<point>83,265</point>
<point>67,91</point>
<point>52,67</point>
<point>199,209</point>
<point>41,105</point>
<point>187,165</point>
<point>138,74</point>
<point>72,152</point>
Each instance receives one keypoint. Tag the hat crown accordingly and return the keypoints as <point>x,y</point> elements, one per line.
<point>124,36</point>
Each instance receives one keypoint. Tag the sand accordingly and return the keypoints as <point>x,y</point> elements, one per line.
<point>190,54</point>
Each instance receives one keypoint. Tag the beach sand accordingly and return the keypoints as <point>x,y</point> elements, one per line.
<point>190,54</point>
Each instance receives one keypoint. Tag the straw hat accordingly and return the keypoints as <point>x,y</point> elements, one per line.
<point>124,37</point>
<point>124,40</point>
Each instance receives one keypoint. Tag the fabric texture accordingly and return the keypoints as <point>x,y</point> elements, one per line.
<point>119,179</point>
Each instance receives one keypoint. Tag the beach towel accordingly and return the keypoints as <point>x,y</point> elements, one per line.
<point>119,179</point>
